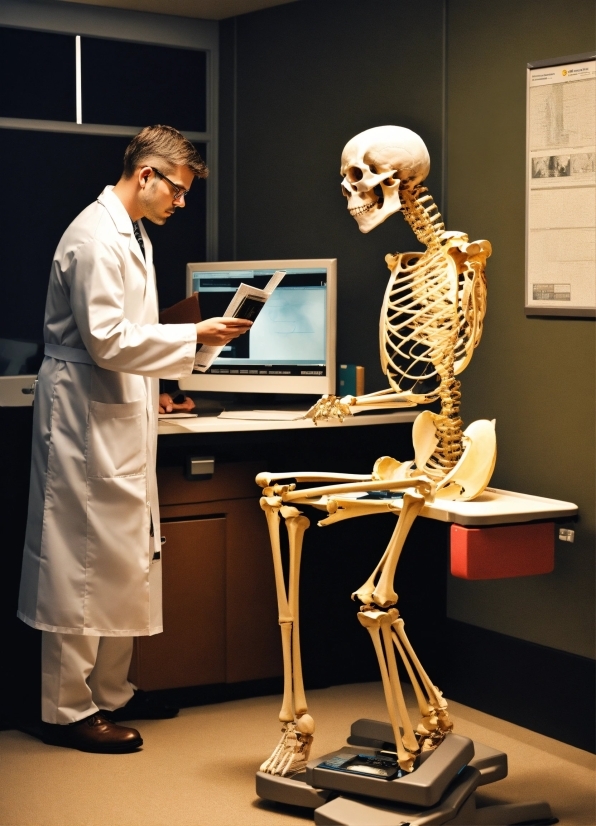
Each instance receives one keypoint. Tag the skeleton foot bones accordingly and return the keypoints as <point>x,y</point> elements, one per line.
<point>431,321</point>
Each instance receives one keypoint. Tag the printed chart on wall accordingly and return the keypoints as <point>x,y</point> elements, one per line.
<point>561,187</point>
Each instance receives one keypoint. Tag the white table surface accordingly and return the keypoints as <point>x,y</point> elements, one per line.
<point>213,424</point>
<point>493,507</point>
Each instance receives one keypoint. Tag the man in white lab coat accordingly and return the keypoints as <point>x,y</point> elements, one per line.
<point>91,577</point>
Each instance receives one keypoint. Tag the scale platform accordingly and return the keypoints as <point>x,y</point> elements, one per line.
<point>359,785</point>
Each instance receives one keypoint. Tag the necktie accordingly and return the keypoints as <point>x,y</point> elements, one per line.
<point>138,236</point>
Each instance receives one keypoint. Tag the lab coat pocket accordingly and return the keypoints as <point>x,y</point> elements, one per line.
<point>116,439</point>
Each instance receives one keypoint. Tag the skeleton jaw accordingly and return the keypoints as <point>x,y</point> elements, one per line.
<point>359,210</point>
<point>372,206</point>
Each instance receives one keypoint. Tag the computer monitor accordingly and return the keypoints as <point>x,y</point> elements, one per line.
<point>291,346</point>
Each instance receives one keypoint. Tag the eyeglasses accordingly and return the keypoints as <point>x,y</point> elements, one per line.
<point>179,192</point>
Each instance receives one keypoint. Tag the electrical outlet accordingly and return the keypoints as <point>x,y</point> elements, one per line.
<point>566,535</point>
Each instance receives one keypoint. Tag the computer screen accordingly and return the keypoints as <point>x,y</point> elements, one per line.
<point>291,346</point>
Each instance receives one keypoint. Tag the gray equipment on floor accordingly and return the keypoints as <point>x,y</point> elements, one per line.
<point>343,788</point>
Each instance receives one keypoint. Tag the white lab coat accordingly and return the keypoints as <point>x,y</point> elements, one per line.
<point>89,563</point>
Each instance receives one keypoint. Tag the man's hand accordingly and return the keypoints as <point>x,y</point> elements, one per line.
<point>215,332</point>
<point>168,405</point>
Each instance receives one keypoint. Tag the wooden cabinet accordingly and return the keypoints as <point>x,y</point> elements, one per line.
<point>219,602</point>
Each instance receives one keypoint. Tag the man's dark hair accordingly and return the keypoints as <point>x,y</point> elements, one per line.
<point>164,143</point>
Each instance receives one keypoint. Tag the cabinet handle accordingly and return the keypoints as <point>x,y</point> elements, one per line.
<point>200,467</point>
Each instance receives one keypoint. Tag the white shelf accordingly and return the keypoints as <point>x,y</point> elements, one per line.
<point>493,507</point>
<point>498,507</point>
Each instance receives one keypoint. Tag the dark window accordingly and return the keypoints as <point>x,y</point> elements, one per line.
<point>38,75</point>
<point>136,84</point>
<point>44,197</point>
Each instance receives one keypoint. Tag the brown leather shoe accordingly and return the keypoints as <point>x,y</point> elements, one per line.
<point>95,734</point>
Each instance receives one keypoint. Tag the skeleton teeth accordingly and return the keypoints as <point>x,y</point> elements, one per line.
<point>359,210</point>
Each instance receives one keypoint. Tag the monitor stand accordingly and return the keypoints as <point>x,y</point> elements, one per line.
<point>441,790</point>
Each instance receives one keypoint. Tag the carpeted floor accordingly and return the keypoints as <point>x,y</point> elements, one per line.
<point>198,769</point>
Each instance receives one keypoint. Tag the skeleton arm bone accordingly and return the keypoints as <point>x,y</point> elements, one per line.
<point>334,407</point>
<point>385,399</point>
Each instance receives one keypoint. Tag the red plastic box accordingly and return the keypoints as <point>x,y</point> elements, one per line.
<point>503,551</point>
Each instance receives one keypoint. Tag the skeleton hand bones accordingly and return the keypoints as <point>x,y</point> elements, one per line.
<point>334,407</point>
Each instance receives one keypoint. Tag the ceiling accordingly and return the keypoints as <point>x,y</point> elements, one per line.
<point>204,9</point>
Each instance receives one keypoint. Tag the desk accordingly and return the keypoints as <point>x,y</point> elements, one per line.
<point>220,610</point>
<point>220,606</point>
<point>213,424</point>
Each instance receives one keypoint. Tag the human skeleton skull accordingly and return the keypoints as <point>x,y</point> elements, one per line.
<point>373,164</point>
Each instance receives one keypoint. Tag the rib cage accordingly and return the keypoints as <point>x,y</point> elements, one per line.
<point>419,320</point>
<point>432,320</point>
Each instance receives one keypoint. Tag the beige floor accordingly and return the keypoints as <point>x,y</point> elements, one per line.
<point>198,769</point>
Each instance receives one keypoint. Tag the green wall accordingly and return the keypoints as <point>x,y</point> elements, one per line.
<point>297,82</point>
<point>534,375</point>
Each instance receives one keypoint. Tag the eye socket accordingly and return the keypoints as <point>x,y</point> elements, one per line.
<point>354,174</point>
<point>373,169</point>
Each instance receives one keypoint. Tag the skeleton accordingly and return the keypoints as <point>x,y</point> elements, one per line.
<point>431,321</point>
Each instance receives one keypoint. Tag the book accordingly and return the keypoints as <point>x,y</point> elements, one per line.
<point>247,303</point>
<point>187,311</point>
<point>351,380</point>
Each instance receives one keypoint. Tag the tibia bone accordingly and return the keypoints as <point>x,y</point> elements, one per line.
<point>296,526</point>
<point>371,620</point>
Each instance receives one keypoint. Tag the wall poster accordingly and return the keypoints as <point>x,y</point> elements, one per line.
<point>561,187</point>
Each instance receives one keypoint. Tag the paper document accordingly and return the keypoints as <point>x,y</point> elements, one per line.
<point>177,415</point>
<point>247,303</point>
<point>561,187</point>
<point>264,415</point>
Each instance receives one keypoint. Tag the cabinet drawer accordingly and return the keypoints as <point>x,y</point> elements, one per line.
<point>231,480</point>
<point>192,648</point>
